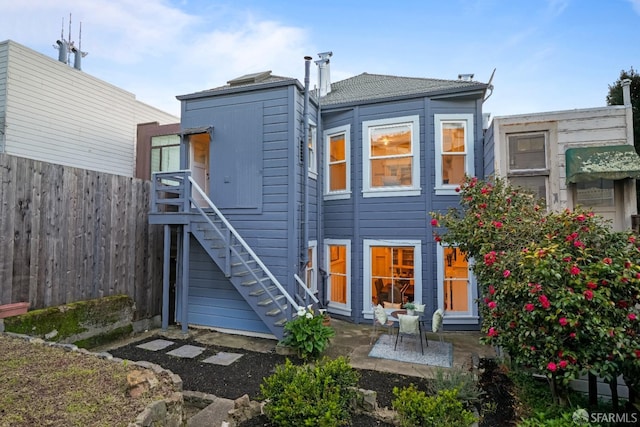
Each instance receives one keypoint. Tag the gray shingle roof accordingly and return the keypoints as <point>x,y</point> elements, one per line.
<point>244,83</point>
<point>367,87</point>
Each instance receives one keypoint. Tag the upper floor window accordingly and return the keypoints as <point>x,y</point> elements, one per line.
<point>391,157</point>
<point>337,165</point>
<point>312,161</point>
<point>454,151</point>
<point>165,153</point>
<point>527,156</point>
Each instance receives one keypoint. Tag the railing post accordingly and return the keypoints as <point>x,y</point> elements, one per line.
<point>228,253</point>
<point>187,191</point>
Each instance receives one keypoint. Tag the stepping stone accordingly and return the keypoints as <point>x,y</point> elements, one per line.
<point>187,351</point>
<point>155,345</point>
<point>222,358</point>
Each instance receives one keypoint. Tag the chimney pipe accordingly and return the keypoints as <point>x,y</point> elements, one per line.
<point>324,75</point>
<point>626,92</point>
<point>63,50</point>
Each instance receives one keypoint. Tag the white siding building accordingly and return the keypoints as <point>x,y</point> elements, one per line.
<point>52,112</point>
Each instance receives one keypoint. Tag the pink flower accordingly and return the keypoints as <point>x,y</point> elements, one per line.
<point>506,273</point>
<point>529,307</point>
<point>632,239</point>
<point>482,206</point>
<point>532,348</point>
<point>588,294</point>
<point>492,305</point>
<point>574,270</point>
<point>544,301</point>
<point>490,258</point>
<point>552,367</point>
<point>492,332</point>
<point>492,290</point>
<point>434,222</point>
<point>581,217</point>
<point>572,334</point>
<point>484,190</point>
<point>563,364</point>
<point>578,244</point>
<point>632,316</point>
<point>497,224</point>
<point>563,321</point>
<point>592,285</point>
<point>607,260</point>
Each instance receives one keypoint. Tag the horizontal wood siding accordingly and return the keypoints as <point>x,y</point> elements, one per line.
<point>69,234</point>
<point>4,61</point>
<point>489,156</point>
<point>264,229</point>
<point>213,301</point>
<point>58,114</point>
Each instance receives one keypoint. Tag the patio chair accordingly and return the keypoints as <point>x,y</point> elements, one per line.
<point>409,325</point>
<point>380,319</point>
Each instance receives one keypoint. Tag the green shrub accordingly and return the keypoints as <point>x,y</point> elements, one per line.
<point>565,419</point>
<point>306,334</point>
<point>456,378</point>
<point>416,409</point>
<point>318,396</point>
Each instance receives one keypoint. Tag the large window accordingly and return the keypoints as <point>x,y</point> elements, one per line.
<point>339,270</point>
<point>392,272</point>
<point>391,160</point>
<point>527,156</point>
<point>165,153</point>
<point>457,293</point>
<point>337,167</point>
<point>454,151</point>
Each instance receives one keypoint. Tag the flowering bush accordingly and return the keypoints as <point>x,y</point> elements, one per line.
<point>560,291</point>
<point>306,333</point>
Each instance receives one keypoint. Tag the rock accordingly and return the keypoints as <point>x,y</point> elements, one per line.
<point>140,382</point>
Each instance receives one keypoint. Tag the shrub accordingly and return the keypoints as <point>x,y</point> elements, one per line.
<point>416,409</point>
<point>455,378</point>
<point>310,396</point>
<point>306,334</point>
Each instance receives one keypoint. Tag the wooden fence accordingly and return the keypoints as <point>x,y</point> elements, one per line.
<point>69,234</point>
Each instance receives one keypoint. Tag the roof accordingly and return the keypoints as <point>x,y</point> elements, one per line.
<point>606,162</point>
<point>368,87</point>
<point>254,81</point>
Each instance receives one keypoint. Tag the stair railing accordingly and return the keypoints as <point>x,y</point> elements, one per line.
<point>307,292</point>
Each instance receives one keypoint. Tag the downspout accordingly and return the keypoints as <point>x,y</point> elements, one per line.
<point>304,252</point>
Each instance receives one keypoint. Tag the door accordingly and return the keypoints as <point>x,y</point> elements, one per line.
<point>199,165</point>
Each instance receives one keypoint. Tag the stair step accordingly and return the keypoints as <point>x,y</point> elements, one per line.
<point>250,262</point>
<point>270,301</point>
<point>247,272</point>
<point>275,312</point>
<point>252,282</point>
<point>261,291</point>
<point>281,322</point>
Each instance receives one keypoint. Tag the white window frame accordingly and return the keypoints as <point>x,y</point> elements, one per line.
<point>367,244</point>
<point>469,318</point>
<point>313,245</point>
<point>467,119</point>
<point>532,172</point>
<point>367,189</point>
<point>333,307</point>
<point>340,194</point>
<point>312,151</point>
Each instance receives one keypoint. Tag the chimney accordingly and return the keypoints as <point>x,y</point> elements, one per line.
<point>626,92</point>
<point>465,77</point>
<point>324,77</point>
<point>63,50</point>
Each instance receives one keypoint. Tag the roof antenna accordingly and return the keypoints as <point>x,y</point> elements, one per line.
<point>62,46</point>
<point>77,52</point>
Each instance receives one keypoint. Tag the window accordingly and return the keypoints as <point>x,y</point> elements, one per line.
<point>392,272</point>
<point>457,292</point>
<point>165,153</point>
<point>454,151</point>
<point>391,157</point>
<point>312,160</point>
<point>311,269</point>
<point>337,149</point>
<point>527,156</point>
<point>338,253</point>
<point>595,194</point>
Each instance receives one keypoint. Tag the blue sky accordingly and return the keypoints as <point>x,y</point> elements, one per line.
<point>548,54</point>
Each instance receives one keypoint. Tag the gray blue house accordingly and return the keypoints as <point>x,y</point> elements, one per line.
<point>288,194</point>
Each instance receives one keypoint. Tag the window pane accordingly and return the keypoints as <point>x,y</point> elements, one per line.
<point>392,274</point>
<point>391,140</point>
<point>163,140</point>
<point>536,184</point>
<point>453,138</point>
<point>456,282</point>
<point>338,177</point>
<point>453,169</point>
<point>338,273</point>
<point>595,193</point>
<point>170,159</point>
<point>336,148</point>
<point>527,152</point>
<point>391,172</point>
<point>155,159</point>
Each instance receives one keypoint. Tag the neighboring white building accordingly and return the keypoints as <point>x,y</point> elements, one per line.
<point>576,157</point>
<point>52,112</point>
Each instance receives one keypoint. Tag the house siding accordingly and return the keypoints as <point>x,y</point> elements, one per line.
<point>4,62</point>
<point>61,115</point>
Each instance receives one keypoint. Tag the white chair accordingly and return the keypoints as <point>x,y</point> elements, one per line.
<point>409,325</point>
<point>380,319</point>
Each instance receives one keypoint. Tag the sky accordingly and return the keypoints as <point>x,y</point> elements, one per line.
<point>548,55</point>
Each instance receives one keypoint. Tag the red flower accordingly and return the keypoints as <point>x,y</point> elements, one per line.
<point>578,244</point>
<point>492,305</point>
<point>592,285</point>
<point>632,239</point>
<point>492,290</point>
<point>457,189</point>
<point>607,260</point>
<point>544,301</point>
<point>529,307</point>
<point>574,270</point>
<point>632,316</point>
<point>563,364</point>
<point>588,294</point>
<point>482,206</point>
<point>637,353</point>
<point>492,332</point>
<point>532,348</point>
<point>581,217</point>
<point>552,367</point>
<point>438,239</point>
<point>434,222</point>
<point>484,190</point>
<point>506,273</point>
<point>572,334</point>
<point>563,321</point>
<point>497,224</point>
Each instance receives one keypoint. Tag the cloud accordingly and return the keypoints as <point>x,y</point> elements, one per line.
<point>636,5</point>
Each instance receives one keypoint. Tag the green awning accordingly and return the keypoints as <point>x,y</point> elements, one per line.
<point>608,162</point>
